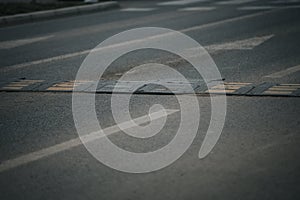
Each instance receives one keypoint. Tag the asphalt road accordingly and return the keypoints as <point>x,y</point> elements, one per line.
<point>257,154</point>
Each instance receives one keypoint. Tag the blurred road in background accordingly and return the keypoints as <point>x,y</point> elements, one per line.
<point>252,42</point>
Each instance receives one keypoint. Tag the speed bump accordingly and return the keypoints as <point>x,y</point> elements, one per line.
<point>168,87</point>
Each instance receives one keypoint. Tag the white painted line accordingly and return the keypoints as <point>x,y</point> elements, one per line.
<point>256,7</point>
<point>137,9</point>
<point>246,44</point>
<point>285,72</point>
<point>71,55</point>
<point>197,9</point>
<point>42,61</point>
<point>180,2</point>
<point>28,158</point>
<point>234,2</point>
<point>291,6</point>
<point>217,23</point>
<point>285,1</point>
<point>21,42</point>
<point>267,7</point>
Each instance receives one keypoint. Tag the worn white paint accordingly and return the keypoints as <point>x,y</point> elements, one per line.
<point>245,44</point>
<point>16,43</point>
<point>180,2</point>
<point>284,72</point>
<point>137,9</point>
<point>197,9</point>
<point>234,2</point>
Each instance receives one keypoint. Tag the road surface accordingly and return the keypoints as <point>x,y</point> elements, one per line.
<point>252,42</point>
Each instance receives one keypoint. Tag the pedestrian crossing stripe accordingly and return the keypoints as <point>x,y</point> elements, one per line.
<point>152,87</point>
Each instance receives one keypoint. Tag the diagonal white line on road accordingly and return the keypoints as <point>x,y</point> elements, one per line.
<point>217,23</point>
<point>285,1</point>
<point>234,2</point>
<point>180,2</point>
<point>246,44</point>
<point>37,155</point>
<point>285,72</point>
<point>16,43</point>
<point>268,7</point>
<point>137,9</point>
<point>256,7</point>
<point>197,9</point>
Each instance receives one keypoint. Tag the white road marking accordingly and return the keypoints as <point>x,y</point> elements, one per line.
<point>234,19</point>
<point>234,2</point>
<point>28,158</point>
<point>180,2</point>
<point>21,42</point>
<point>268,7</point>
<point>71,55</point>
<point>43,61</point>
<point>285,1</point>
<point>197,9</point>
<point>246,44</point>
<point>256,7</point>
<point>137,9</point>
<point>285,72</point>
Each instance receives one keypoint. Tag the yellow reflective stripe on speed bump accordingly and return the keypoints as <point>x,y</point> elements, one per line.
<point>229,88</point>
<point>18,85</point>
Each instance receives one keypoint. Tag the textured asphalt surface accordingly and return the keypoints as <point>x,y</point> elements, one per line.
<point>257,156</point>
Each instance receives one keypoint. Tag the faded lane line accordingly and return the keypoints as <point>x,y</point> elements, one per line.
<point>180,2</point>
<point>137,9</point>
<point>207,8</point>
<point>42,61</point>
<point>28,158</point>
<point>234,2</point>
<point>285,72</point>
<point>285,1</point>
<point>234,19</point>
<point>268,7</point>
<point>119,24</point>
<point>70,55</point>
<point>16,43</point>
<point>246,44</point>
<point>256,7</point>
